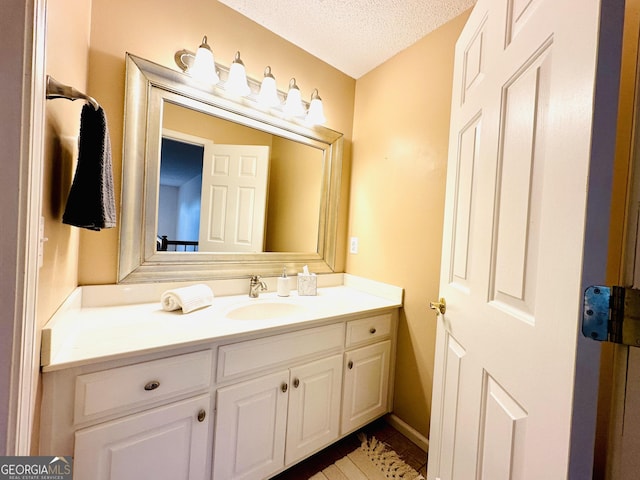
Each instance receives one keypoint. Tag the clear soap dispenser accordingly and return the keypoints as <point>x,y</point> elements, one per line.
<point>283,284</point>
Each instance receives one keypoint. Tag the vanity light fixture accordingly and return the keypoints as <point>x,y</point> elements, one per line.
<point>204,66</point>
<point>268,96</point>
<point>315,115</point>
<point>237,82</point>
<point>234,81</point>
<point>293,104</point>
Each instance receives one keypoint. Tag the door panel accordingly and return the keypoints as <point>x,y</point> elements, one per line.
<point>521,168</point>
<point>518,11</point>
<point>502,434</point>
<point>474,61</point>
<point>446,423</point>
<point>513,260</point>
<point>234,198</point>
<point>462,234</point>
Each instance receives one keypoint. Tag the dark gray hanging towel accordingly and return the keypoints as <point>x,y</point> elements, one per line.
<point>91,201</point>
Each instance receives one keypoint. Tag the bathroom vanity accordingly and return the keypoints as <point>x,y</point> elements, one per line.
<point>244,388</point>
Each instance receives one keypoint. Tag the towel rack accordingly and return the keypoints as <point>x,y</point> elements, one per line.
<point>56,89</point>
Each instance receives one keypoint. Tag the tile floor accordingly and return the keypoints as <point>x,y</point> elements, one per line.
<point>405,448</point>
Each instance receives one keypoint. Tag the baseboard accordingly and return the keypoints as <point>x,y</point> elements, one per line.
<point>408,431</point>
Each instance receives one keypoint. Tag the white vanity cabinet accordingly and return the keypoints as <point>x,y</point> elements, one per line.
<point>314,407</point>
<point>292,407</point>
<point>366,385</point>
<point>366,371</point>
<point>145,420</point>
<point>169,442</point>
<point>272,421</point>
<point>219,399</point>
<point>277,417</point>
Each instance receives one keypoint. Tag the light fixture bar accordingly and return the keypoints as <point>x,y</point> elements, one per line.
<point>222,74</point>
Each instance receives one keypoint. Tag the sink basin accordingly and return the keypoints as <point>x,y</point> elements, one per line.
<point>263,310</point>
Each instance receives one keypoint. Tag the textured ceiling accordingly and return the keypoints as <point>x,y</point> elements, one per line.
<point>354,36</point>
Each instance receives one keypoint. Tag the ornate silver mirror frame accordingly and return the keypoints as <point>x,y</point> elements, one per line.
<point>148,86</point>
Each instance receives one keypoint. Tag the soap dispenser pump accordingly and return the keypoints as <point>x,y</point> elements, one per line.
<point>283,284</point>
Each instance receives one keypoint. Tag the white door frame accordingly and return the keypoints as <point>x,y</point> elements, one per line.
<point>23,93</point>
<point>621,459</point>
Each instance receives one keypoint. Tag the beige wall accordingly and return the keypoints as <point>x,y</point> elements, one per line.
<point>192,122</point>
<point>295,188</point>
<point>67,51</point>
<point>155,30</point>
<point>400,139</point>
<point>67,44</point>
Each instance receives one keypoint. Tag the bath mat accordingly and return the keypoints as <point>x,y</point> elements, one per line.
<point>372,461</point>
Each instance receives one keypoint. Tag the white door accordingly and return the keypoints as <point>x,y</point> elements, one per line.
<point>166,443</point>
<point>314,407</point>
<point>518,244</point>
<point>251,422</point>
<point>234,199</point>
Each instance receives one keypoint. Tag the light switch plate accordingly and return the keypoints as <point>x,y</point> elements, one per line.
<point>353,245</point>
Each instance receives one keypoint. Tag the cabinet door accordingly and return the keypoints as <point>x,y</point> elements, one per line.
<point>366,385</point>
<point>314,407</point>
<point>166,443</point>
<point>250,429</point>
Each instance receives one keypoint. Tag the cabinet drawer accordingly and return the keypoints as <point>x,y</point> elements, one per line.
<point>368,329</point>
<point>254,355</point>
<point>120,389</point>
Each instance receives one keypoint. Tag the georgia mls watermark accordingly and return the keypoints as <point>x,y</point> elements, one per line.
<point>36,468</point>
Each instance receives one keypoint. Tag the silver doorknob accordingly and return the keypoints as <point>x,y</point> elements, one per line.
<point>440,306</point>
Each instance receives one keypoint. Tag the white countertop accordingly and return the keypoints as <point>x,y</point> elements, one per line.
<point>83,332</point>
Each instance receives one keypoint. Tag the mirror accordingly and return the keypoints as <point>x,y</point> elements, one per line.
<point>214,225</point>
<point>262,193</point>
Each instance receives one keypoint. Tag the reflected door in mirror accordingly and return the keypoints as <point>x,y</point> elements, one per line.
<point>212,198</point>
<point>234,198</point>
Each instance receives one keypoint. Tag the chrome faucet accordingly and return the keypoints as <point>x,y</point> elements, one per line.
<point>256,286</point>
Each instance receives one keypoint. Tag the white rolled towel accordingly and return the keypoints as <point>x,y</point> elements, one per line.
<point>188,298</point>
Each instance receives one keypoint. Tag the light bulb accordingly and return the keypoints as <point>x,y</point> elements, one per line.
<point>315,115</point>
<point>268,95</point>
<point>204,66</point>
<point>293,105</point>
<point>237,82</point>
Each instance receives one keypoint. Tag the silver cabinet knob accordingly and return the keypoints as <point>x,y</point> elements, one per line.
<point>152,385</point>
<point>201,415</point>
